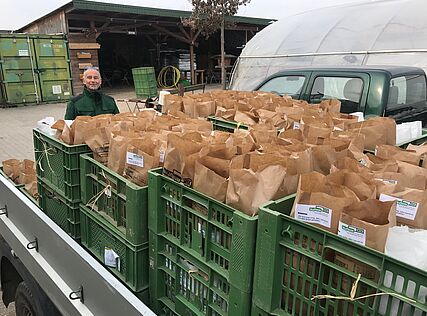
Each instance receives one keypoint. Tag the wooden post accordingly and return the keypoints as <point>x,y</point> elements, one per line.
<point>192,56</point>
<point>223,74</point>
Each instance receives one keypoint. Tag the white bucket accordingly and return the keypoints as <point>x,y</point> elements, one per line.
<point>162,95</point>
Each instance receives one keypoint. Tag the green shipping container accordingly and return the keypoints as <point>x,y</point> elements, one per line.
<point>18,78</point>
<point>34,68</point>
<point>53,68</point>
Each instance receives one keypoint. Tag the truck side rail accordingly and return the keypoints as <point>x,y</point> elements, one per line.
<point>74,281</point>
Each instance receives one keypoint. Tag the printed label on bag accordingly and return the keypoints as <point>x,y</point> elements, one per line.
<point>387,181</point>
<point>353,233</point>
<point>23,52</point>
<point>314,214</point>
<point>135,159</point>
<point>111,258</point>
<point>363,162</point>
<point>162,155</point>
<point>56,89</point>
<point>404,208</point>
<point>296,125</point>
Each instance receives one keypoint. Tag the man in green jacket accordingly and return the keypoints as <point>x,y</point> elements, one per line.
<point>92,101</point>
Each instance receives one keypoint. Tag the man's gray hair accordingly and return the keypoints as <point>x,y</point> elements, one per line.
<point>91,68</point>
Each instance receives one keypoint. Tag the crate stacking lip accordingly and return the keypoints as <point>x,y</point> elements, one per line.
<point>180,284</point>
<point>114,200</point>
<point>217,236</point>
<point>58,164</point>
<point>63,212</point>
<point>100,238</point>
<point>296,261</point>
<point>220,124</point>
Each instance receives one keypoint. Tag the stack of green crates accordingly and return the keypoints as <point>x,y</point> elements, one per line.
<point>144,79</point>
<point>296,261</point>
<point>58,176</point>
<point>114,221</point>
<point>201,252</point>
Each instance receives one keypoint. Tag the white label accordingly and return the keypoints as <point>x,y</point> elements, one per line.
<point>135,159</point>
<point>66,93</point>
<point>363,162</point>
<point>353,233</point>
<point>404,208</point>
<point>111,258</point>
<point>56,90</point>
<point>296,125</point>
<point>387,181</point>
<point>23,52</point>
<point>315,214</point>
<point>162,155</point>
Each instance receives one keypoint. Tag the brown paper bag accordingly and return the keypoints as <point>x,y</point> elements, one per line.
<point>32,188</point>
<point>393,178</point>
<point>11,168</point>
<point>181,155</point>
<point>204,108</point>
<point>98,141</point>
<point>363,187</point>
<point>320,202</point>
<point>117,150</point>
<point>333,105</point>
<point>141,155</point>
<point>172,104</point>
<point>396,153</point>
<point>367,223</point>
<point>411,171</point>
<point>27,172</point>
<point>411,207</point>
<point>377,131</point>
<point>216,171</point>
<point>79,129</point>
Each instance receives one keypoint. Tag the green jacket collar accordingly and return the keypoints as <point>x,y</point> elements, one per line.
<point>92,94</point>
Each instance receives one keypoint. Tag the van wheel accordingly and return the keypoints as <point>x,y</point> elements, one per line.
<point>25,304</point>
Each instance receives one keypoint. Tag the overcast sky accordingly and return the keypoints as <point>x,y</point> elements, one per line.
<point>17,13</point>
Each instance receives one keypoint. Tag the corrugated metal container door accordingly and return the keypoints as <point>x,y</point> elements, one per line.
<point>53,66</point>
<point>19,80</point>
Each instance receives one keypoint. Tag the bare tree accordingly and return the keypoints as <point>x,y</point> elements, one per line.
<point>208,16</point>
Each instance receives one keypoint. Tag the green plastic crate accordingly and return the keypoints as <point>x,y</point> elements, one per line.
<point>295,261</point>
<point>220,124</point>
<point>182,285</point>
<point>214,233</point>
<point>58,164</point>
<point>96,235</point>
<point>64,213</point>
<point>256,311</point>
<point>124,205</point>
<point>144,79</point>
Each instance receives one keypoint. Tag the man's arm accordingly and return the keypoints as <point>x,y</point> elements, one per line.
<point>70,113</point>
<point>116,109</point>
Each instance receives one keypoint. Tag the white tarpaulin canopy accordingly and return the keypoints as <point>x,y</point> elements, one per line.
<point>391,32</point>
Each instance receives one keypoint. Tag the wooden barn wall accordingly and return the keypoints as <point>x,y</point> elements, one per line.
<point>52,24</point>
<point>79,45</point>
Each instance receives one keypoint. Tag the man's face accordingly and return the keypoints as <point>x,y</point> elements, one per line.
<point>92,79</point>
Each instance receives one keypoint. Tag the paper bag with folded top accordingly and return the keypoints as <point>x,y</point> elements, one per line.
<point>226,114</point>
<point>411,171</point>
<point>396,153</point>
<point>342,121</point>
<point>320,202</point>
<point>181,155</point>
<point>264,133</point>
<point>27,172</point>
<point>333,105</point>
<point>211,177</point>
<point>243,140</point>
<point>172,104</point>
<point>367,222</point>
<point>351,164</point>
<point>377,131</point>
<point>142,154</point>
<point>248,189</point>
<point>11,169</point>
<point>246,118</point>
<point>363,187</point>
<point>375,163</point>
<point>256,178</point>
<point>117,150</point>
<point>64,131</point>
<point>98,140</point>
<point>411,207</point>
<point>420,150</point>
